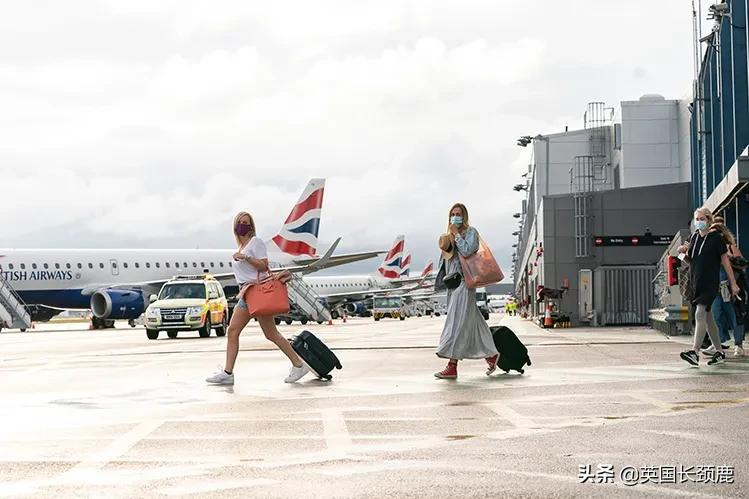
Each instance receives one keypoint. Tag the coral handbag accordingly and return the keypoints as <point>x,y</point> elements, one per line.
<point>480,269</point>
<point>267,297</point>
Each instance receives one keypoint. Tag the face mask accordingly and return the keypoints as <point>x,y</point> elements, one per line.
<point>700,224</point>
<point>242,229</point>
<point>456,220</point>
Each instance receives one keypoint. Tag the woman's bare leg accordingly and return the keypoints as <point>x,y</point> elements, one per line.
<point>268,325</point>
<point>239,320</point>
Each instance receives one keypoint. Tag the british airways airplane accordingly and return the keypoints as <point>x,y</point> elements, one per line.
<point>350,292</point>
<point>114,283</point>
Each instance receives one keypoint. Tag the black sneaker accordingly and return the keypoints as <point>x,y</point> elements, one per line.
<point>691,357</point>
<point>718,358</point>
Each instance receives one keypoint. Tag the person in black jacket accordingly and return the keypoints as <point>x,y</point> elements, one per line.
<point>705,253</point>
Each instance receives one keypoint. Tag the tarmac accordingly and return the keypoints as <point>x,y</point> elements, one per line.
<point>601,413</point>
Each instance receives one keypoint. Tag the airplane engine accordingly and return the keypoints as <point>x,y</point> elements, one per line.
<point>117,304</point>
<point>356,308</point>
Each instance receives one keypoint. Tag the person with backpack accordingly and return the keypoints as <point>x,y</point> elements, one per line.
<point>706,253</point>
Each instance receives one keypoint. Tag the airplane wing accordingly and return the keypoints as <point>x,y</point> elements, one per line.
<point>333,261</point>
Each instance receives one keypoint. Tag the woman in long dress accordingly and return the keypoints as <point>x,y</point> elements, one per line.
<point>466,334</point>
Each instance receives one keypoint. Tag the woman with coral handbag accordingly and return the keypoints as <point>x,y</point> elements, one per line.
<point>262,295</point>
<point>466,334</point>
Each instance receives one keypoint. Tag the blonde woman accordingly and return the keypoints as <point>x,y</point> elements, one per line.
<point>251,265</point>
<point>705,253</point>
<point>466,334</point>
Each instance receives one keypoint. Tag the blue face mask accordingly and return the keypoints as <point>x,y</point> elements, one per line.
<point>700,224</point>
<point>456,220</point>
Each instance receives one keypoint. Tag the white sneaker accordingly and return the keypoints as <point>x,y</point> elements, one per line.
<point>296,373</point>
<point>220,377</point>
<point>738,351</point>
<point>709,350</point>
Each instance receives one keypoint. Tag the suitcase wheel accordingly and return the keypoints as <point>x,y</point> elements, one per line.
<point>528,360</point>
<point>506,370</point>
<point>521,371</point>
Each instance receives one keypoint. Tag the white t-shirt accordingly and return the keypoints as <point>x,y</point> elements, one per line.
<point>243,271</point>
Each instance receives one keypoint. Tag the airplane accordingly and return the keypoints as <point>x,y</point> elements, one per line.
<point>406,265</point>
<point>114,283</point>
<point>349,292</point>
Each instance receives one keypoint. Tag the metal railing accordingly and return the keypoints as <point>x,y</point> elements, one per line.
<point>306,299</point>
<point>14,306</point>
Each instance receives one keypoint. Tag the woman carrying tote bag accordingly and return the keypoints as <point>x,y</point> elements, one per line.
<point>251,268</point>
<point>466,334</point>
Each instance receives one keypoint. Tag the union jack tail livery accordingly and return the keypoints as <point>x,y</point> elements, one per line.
<point>391,266</point>
<point>428,269</point>
<point>406,265</point>
<point>298,235</point>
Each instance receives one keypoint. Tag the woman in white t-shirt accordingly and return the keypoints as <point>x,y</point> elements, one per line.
<point>251,265</point>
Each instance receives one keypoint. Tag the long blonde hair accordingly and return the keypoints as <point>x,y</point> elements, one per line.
<point>464,226</point>
<point>720,226</point>
<point>236,220</point>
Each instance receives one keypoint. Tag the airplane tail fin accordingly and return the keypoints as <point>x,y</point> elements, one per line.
<point>298,235</point>
<point>406,265</point>
<point>391,266</point>
<point>428,269</point>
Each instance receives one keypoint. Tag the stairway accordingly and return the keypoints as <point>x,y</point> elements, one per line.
<point>304,297</point>
<point>13,313</point>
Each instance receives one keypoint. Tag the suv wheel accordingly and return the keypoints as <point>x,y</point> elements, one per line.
<point>288,322</point>
<point>221,330</point>
<point>303,321</point>
<point>277,320</point>
<point>205,331</point>
<point>152,334</point>
<point>171,334</point>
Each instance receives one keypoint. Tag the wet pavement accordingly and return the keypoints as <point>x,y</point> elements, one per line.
<point>92,413</point>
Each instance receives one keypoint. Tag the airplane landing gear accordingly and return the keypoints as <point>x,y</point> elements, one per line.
<point>97,323</point>
<point>131,322</point>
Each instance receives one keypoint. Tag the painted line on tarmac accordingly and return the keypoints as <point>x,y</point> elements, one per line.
<point>336,432</point>
<point>111,452</point>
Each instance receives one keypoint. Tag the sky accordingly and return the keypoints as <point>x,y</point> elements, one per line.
<point>150,123</point>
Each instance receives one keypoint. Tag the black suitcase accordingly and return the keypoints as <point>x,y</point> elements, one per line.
<point>513,355</point>
<point>315,354</point>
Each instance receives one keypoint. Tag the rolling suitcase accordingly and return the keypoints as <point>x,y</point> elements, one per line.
<point>513,355</point>
<point>315,354</point>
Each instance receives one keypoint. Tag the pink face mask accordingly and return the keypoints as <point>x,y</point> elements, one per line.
<point>242,229</point>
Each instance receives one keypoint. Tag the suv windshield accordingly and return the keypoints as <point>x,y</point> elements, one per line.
<point>184,290</point>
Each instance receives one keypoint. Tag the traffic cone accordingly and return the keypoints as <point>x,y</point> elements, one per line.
<point>330,321</point>
<point>344,318</point>
<point>547,317</point>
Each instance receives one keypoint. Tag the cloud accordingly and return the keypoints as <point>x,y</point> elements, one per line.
<point>150,123</point>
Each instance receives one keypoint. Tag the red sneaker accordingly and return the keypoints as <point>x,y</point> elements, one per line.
<point>492,363</point>
<point>450,372</point>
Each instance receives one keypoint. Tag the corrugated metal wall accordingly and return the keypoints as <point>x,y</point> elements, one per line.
<point>624,295</point>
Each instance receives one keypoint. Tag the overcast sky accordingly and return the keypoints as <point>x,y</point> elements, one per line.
<point>149,123</point>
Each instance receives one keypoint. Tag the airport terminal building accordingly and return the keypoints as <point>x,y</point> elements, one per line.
<point>600,204</point>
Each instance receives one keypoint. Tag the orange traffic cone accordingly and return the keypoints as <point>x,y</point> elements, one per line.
<point>344,318</point>
<point>547,317</point>
<point>330,321</point>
